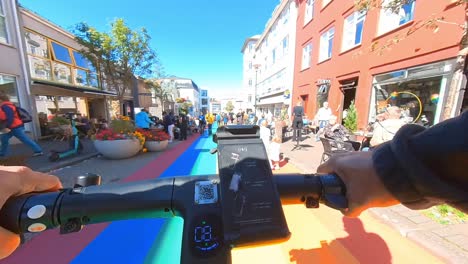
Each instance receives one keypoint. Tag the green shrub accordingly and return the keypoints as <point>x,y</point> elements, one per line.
<point>350,122</point>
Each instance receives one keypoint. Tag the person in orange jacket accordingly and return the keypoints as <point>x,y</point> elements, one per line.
<point>10,119</point>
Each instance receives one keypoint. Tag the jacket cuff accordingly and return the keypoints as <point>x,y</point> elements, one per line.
<point>400,171</point>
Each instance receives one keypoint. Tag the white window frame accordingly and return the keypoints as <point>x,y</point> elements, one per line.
<point>325,39</point>
<point>306,56</point>
<point>350,29</point>
<point>389,21</point>
<point>325,3</point>
<point>309,11</point>
<point>7,33</point>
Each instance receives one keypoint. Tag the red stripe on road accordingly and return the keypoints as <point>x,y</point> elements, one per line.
<point>58,248</point>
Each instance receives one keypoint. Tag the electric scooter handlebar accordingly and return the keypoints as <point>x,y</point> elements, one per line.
<point>72,208</point>
<point>239,206</point>
<point>204,239</point>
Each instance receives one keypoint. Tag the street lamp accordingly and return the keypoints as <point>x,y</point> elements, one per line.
<point>256,67</point>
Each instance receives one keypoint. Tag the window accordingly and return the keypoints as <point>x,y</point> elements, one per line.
<point>352,30</point>
<point>306,56</point>
<point>273,56</point>
<point>36,45</point>
<point>249,98</point>
<point>3,26</point>
<point>250,82</point>
<point>250,65</point>
<point>390,20</point>
<point>325,2</point>
<point>285,45</point>
<point>309,11</point>
<point>326,44</point>
<point>61,53</point>
<point>8,86</point>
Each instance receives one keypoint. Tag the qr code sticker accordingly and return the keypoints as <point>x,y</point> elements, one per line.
<point>206,192</point>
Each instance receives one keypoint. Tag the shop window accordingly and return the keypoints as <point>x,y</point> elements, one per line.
<point>8,86</point>
<point>61,53</point>
<point>326,44</point>
<point>306,56</point>
<point>391,19</point>
<point>416,91</point>
<point>3,25</point>
<point>352,30</point>
<point>309,11</point>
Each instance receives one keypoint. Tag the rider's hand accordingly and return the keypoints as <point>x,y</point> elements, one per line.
<point>16,181</point>
<point>363,187</point>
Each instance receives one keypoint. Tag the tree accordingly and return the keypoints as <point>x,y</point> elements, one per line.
<point>118,55</point>
<point>350,121</point>
<point>431,23</point>
<point>229,107</point>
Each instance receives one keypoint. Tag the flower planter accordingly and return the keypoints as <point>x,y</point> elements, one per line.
<point>118,149</point>
<point>154,146</point>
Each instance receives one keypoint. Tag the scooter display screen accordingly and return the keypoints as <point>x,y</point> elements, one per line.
<point>250,203</point>
<point>206,235</point>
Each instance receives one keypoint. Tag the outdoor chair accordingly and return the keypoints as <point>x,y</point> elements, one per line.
<point>332,147</point>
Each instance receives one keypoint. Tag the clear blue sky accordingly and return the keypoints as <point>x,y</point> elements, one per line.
<point>197,39</point>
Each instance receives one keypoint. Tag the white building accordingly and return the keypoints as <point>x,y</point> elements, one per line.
<point>188,90</point>
<point>249,71</point>
<point>273,60</point>
<point>215,106</point>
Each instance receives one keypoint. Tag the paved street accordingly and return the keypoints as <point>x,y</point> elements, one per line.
<point>449,242</point>
<point>319,235</point>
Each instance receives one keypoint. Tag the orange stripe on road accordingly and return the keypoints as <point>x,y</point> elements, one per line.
<point>325,236</point>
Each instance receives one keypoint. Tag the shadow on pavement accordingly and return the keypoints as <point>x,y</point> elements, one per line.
<point>366,248</point>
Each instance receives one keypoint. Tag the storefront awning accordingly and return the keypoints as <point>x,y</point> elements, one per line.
<point>57,89</point>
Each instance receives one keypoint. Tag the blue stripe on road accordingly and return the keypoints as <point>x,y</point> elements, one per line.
<point>130,241</point>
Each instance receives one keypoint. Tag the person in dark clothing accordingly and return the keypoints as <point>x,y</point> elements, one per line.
<point>297,114</point>
<point>183,125</point>
<point>419,168</point>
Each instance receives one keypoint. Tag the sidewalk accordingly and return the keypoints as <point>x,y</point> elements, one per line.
<point>449,242</point>
<point>20,154</point>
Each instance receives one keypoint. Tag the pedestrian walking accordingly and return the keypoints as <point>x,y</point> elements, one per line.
<point>13,126</point>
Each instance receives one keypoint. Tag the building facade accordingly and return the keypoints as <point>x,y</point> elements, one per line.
<point>376,58</point>
<point>186,89</point>
<point>250,71</point>
<point>13,72</point>
<point>58,71</point>
<point>273,61</point>
<point>215,106</point>
<point>204,101</point>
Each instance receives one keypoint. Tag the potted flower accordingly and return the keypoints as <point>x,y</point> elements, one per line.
<point>155,140</point>
<point>120,141</point>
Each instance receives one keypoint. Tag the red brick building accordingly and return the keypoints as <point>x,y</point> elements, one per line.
<point>340,57</point>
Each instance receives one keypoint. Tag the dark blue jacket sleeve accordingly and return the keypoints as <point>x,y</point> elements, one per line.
<point>10,115</point>
<point>425,167</point>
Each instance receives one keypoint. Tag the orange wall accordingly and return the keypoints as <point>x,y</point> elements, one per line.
<point>421,47</point>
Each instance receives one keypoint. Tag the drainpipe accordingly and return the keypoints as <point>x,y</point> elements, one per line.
<point>19,35</point>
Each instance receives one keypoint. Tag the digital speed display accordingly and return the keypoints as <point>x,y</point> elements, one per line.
<point>206,235</point>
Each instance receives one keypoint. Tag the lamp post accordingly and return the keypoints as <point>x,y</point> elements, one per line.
<point>256,67</point>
